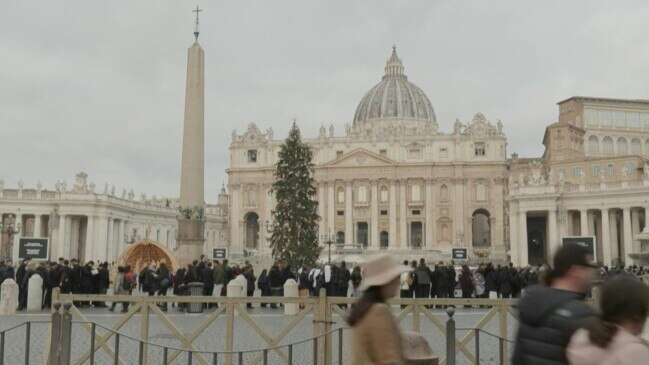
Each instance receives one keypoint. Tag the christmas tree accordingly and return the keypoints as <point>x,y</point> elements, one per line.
<point>294,237</point>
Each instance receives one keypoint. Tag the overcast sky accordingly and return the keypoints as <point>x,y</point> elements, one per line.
<point>98,86</point>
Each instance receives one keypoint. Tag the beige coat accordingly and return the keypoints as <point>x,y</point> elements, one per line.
<point>377,339</point>
<point>624,349</point>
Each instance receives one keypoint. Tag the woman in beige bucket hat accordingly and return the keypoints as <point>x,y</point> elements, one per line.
<point>376,338</point>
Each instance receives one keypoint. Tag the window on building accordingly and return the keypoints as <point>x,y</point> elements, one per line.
<point>630,167</point>
<point>619,118</point>
<point>561,172</point>
<point>341,195</point>
<point>416,212</point>
<point>384,212</point>
<point>383,152</point>
<point>591,116</point>
<point>443,152</point>
<point>252,156</point>
<point>610,170</point>
<point>480,193</point>
<point>362,194</point>
<point>415,193</point>
<point>443,193</point>
<point>595,170</point>
<point>605,119</point>
<point>577,171</point>
<point>339,153</point>
<point>560,142</point>
<point>622,148</point>
<point>644,119</point>
<point>340,212</point>
<point>633,118</point>
<point>593,144</point>
<point>607,143</point>
<point>479,149</point>
<point>384,194</point>
<point>636,146</point>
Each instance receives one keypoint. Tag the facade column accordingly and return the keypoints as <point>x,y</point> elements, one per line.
<point>628,241</point>
<point>403,223</point>
<point>331,208</point>
<point>583,221</point>
<point>37,226</point>
<point>120,238</point>
<point>553,242</point>
<point>91,248</point>
<point>615,253</point>
<point>524,251</point>
<point>102,239</point>
<point>635,228</point>
<point>374,215</point>
<point>606,237</point>
<point>458,207</point>
<point>111,240</point>
<point>392,235</point>
<point>591,224</point>
<point>349,223</point>
<point>61,237</point>
<point>429,210</point>
<point>514,241</point>
<point>17,236</point>
<point>322,225</point>
<point>235,217</point>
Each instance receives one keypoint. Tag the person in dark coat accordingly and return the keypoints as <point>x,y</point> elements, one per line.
<point>65,278</point>
<point>151,280</point>
<point>178,280</point>
<point>20,276</point>
<point>505,282</point>
<point>75,277</point>
<point>8,272</point>
<point>164,282</point>
<point>423,275</point>
<point>443,280</point>
<point>491,279</point>
<point>28,272</point>
<point>452,282</point>
<point>276,281</point>
<point>208,281</point>
<point>85,282</point>
<point>103,281</point>
<point>466,282</point>
<point>551,314</point>
<point>52,282</point>
<point>249,274</point>
<point>263,285</point>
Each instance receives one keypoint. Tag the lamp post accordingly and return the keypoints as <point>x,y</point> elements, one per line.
<point>10,229</point>
<point>328,239</point>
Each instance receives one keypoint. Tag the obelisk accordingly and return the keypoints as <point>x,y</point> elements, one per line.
<point>192,202</point>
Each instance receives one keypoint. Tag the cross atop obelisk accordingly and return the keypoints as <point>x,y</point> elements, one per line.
<point>196,32</point>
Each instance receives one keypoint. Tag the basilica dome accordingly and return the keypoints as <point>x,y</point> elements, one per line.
<point>395,99</point>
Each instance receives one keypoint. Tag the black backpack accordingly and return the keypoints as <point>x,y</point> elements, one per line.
<point>126,283</point>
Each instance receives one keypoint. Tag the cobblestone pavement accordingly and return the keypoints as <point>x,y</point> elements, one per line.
<point>270,320</point>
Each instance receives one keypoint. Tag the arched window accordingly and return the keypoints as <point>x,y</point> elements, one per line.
<point>362,194</point>
<point>415,192</point>
<point>443,193</point>
<point>341,195</point>
<point>636,146</point>
<point>384,194</point>
<point>340,237</point>
<point>622,148</point>
<point>384,240</point>
<point>480,193</point>
<point>607,145</point>
<point>593,144</point>
<point>480,228</point>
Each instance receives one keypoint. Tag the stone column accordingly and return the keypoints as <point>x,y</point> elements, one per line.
<point>583,221</point>
<point>392,235</point>
<point>606,237</point>
<point>331,207</point>
<point>524,252</point>
<point>120,238</point>
<point>553,242</point>
<point>646,218</point>
<point>61,237</point>
<point>91,243</point>
<point>374,215</point>
<point>430,212</point>
<point>110,256</point>
<point>102,239</point>
<point>628,241</point>
<point>458,207</point>
<point>615,253</point>
<point>514,241</point>
<point>349,206</point>
<point>321,207</point>
<point>591,223</point>
<point>37,226</point>
<point>635,228</point>
<point>17,236</point>
<point>403,220</point>
<point>235,217</point>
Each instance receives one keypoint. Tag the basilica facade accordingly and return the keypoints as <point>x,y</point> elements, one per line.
<point>391,181</point>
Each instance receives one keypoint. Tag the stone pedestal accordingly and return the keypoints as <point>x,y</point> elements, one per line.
<point>8,297</point>
<point>235,289</point>
<point>190,240</point>
<point>290,291</point>
<point>35,293</point>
